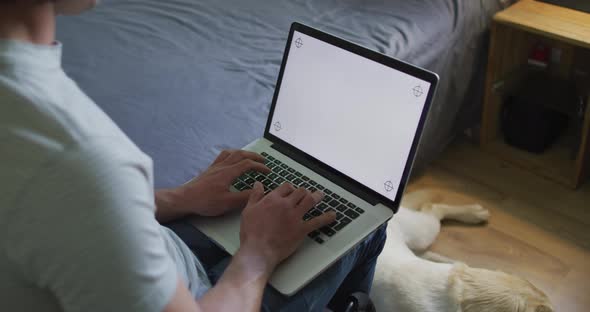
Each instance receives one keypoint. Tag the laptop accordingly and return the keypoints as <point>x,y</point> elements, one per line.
<point>344,120</point>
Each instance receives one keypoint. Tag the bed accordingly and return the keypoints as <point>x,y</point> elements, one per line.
<point>185,79</point>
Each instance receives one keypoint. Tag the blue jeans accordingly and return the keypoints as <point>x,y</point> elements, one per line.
<point>353,272</point>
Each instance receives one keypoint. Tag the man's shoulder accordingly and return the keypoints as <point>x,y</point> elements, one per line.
<point>99,155</point>
<point>57,114</point>
<point>68,132</point>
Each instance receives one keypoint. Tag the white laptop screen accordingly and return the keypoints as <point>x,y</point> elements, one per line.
<point>353,114</point>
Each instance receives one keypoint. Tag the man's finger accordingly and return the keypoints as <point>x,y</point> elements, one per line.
<point>240,155</point>
<point>222,156</point>
<point>245,166</point>
<point>320,221</point>
<point>239,199</point>
<point>309,201</point>
<point>298,195</point>
<point>284,189</point>
<point>256,193</point>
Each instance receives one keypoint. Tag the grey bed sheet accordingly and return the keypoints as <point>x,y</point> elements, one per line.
<point>185,78</point>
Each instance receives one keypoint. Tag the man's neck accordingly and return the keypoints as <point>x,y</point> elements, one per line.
<point>30,23</point>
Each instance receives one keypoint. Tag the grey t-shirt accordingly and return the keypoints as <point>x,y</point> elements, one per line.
<point>77,225</point>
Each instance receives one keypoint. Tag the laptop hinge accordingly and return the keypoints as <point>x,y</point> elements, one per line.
<point>335,178</point>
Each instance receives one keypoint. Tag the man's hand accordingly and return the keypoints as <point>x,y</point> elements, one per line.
<point>272,226</point>
<point>209,194</point>
<point>272,229</point>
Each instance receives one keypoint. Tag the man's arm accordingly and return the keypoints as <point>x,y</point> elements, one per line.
<point>272,229</point>
<point>242,285</point>
<point>83,231</point>
<point>166,207</point>
<point>209,194</point>
<point>240,288</point>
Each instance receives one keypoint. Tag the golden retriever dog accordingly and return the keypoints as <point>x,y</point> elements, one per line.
<point>408,279</point>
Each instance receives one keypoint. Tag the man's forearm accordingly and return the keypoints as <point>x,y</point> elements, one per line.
<point>167,208</point>
<point>242,285</point>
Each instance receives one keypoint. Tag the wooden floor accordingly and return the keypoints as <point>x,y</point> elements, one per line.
<point>538,229</point>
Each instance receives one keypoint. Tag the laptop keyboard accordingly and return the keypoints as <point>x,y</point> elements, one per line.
<point>280,173</point>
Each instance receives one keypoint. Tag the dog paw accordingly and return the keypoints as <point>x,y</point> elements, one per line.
<point>472,214</point>
<point>475,214</point>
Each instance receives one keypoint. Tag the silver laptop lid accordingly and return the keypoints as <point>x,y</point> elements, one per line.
<point>353,114</point>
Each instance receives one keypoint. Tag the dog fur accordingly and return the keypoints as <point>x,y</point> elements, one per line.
<point>408,279</point>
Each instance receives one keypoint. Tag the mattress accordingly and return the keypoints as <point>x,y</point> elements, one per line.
<point>185,79</point>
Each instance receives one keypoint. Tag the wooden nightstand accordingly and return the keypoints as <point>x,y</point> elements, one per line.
<point>515,31</point>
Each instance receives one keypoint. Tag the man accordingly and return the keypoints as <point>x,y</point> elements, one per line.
<point>79,224</point>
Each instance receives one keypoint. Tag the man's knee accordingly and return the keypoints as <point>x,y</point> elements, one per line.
<point>381,233</point>
<point>377,240</point>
